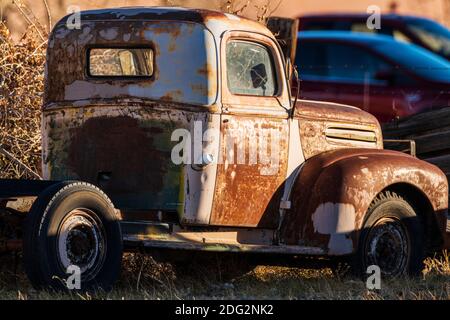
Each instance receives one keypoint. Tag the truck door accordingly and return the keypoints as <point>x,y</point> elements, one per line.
<point>254,133</point>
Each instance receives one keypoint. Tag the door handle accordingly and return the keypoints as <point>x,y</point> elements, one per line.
<point>205,160</point>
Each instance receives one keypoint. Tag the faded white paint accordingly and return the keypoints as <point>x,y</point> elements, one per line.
<point>338,221</point>
<point>296,159</point>
<point>296,156</point>
<point>199,184</point>
<point>109,34</point>
<point>232,17</point>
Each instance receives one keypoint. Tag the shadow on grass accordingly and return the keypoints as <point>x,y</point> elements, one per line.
<point>206,278</point>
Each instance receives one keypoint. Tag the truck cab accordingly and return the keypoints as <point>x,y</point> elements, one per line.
<point>176,129</point>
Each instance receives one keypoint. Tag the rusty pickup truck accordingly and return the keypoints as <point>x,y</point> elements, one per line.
<point>175,129</point>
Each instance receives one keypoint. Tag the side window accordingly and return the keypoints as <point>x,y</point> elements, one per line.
<point>120,62</point>
<point>318,25</point>
<point>335,61</point>
<point>250,69</point>
<point>400,36</point>
<point>324,61</point>
<point>361,27</point>
<point>311,59</point>
<point>354,64</point>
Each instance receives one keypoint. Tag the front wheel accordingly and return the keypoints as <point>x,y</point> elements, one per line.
<point>72,231</point>
<point>392,238</point>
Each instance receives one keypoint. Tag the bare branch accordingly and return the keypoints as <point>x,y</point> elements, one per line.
<point>49,15</point>
<point>30,18</point>
<point>20,163</point>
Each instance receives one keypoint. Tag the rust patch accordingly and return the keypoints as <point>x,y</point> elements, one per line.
<point>206,71</point>
<point>244,194</point>
<point>174,30</point>
<point>172,95</point>
<point>172,46</point>
<point>316,118</point>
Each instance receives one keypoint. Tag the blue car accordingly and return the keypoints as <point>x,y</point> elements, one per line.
<point>418,30</point>
<point>385,77</point>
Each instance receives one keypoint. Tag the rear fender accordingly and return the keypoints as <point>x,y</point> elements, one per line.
<point>334,190</point>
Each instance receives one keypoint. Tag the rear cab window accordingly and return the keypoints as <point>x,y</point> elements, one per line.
<point>120,62</point>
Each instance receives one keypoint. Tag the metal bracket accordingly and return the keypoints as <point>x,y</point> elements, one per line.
<point>411,149</point>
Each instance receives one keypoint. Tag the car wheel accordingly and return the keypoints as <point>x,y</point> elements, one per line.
<point>72,227</point>
<point>392,238</point>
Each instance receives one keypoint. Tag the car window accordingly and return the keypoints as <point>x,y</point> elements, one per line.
<point>361,27</point>
<point>318,25</point>
<point>417,60</point>
<point>352,63</point>
<point>434,35</point>
<point>250,69</point>
<point>338,62</point>
<point>401,36</point>
<point>120,62</point>
<point>311,59</point>
<point>346,63</point>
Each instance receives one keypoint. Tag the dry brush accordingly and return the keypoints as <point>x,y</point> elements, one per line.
<point>21,90</point>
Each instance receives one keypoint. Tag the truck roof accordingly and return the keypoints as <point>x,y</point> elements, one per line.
<point>215,21</point>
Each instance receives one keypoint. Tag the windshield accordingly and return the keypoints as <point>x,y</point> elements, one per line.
<point>417,60</point>
<point>434,35</point>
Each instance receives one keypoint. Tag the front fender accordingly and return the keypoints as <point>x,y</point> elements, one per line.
<point>334,190</point>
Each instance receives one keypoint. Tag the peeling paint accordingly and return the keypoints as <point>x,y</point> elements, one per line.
<point>109,34</point>
<point>330,218</point>
<point>338,221</point>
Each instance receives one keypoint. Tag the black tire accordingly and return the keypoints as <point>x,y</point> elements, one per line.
<point>392,238</point>
<point>72,223</point>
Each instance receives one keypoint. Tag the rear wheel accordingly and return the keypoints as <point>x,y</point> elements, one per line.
<point>72,228</point>
<point>392,238</point>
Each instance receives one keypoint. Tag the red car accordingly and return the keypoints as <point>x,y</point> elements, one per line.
<point>420,31</point>
<point>387,78</point>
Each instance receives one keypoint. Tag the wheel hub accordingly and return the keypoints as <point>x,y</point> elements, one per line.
<point>388,246</point>
<point>81,242</point>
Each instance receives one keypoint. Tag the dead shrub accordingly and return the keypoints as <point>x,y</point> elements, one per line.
<point>21,90</point>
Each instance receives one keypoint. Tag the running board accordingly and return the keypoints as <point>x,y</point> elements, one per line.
<point>167,236</point>
<point>222,247</point>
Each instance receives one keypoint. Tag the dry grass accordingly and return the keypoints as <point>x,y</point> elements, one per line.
<point>143,278</point>
<point>21,89</point>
